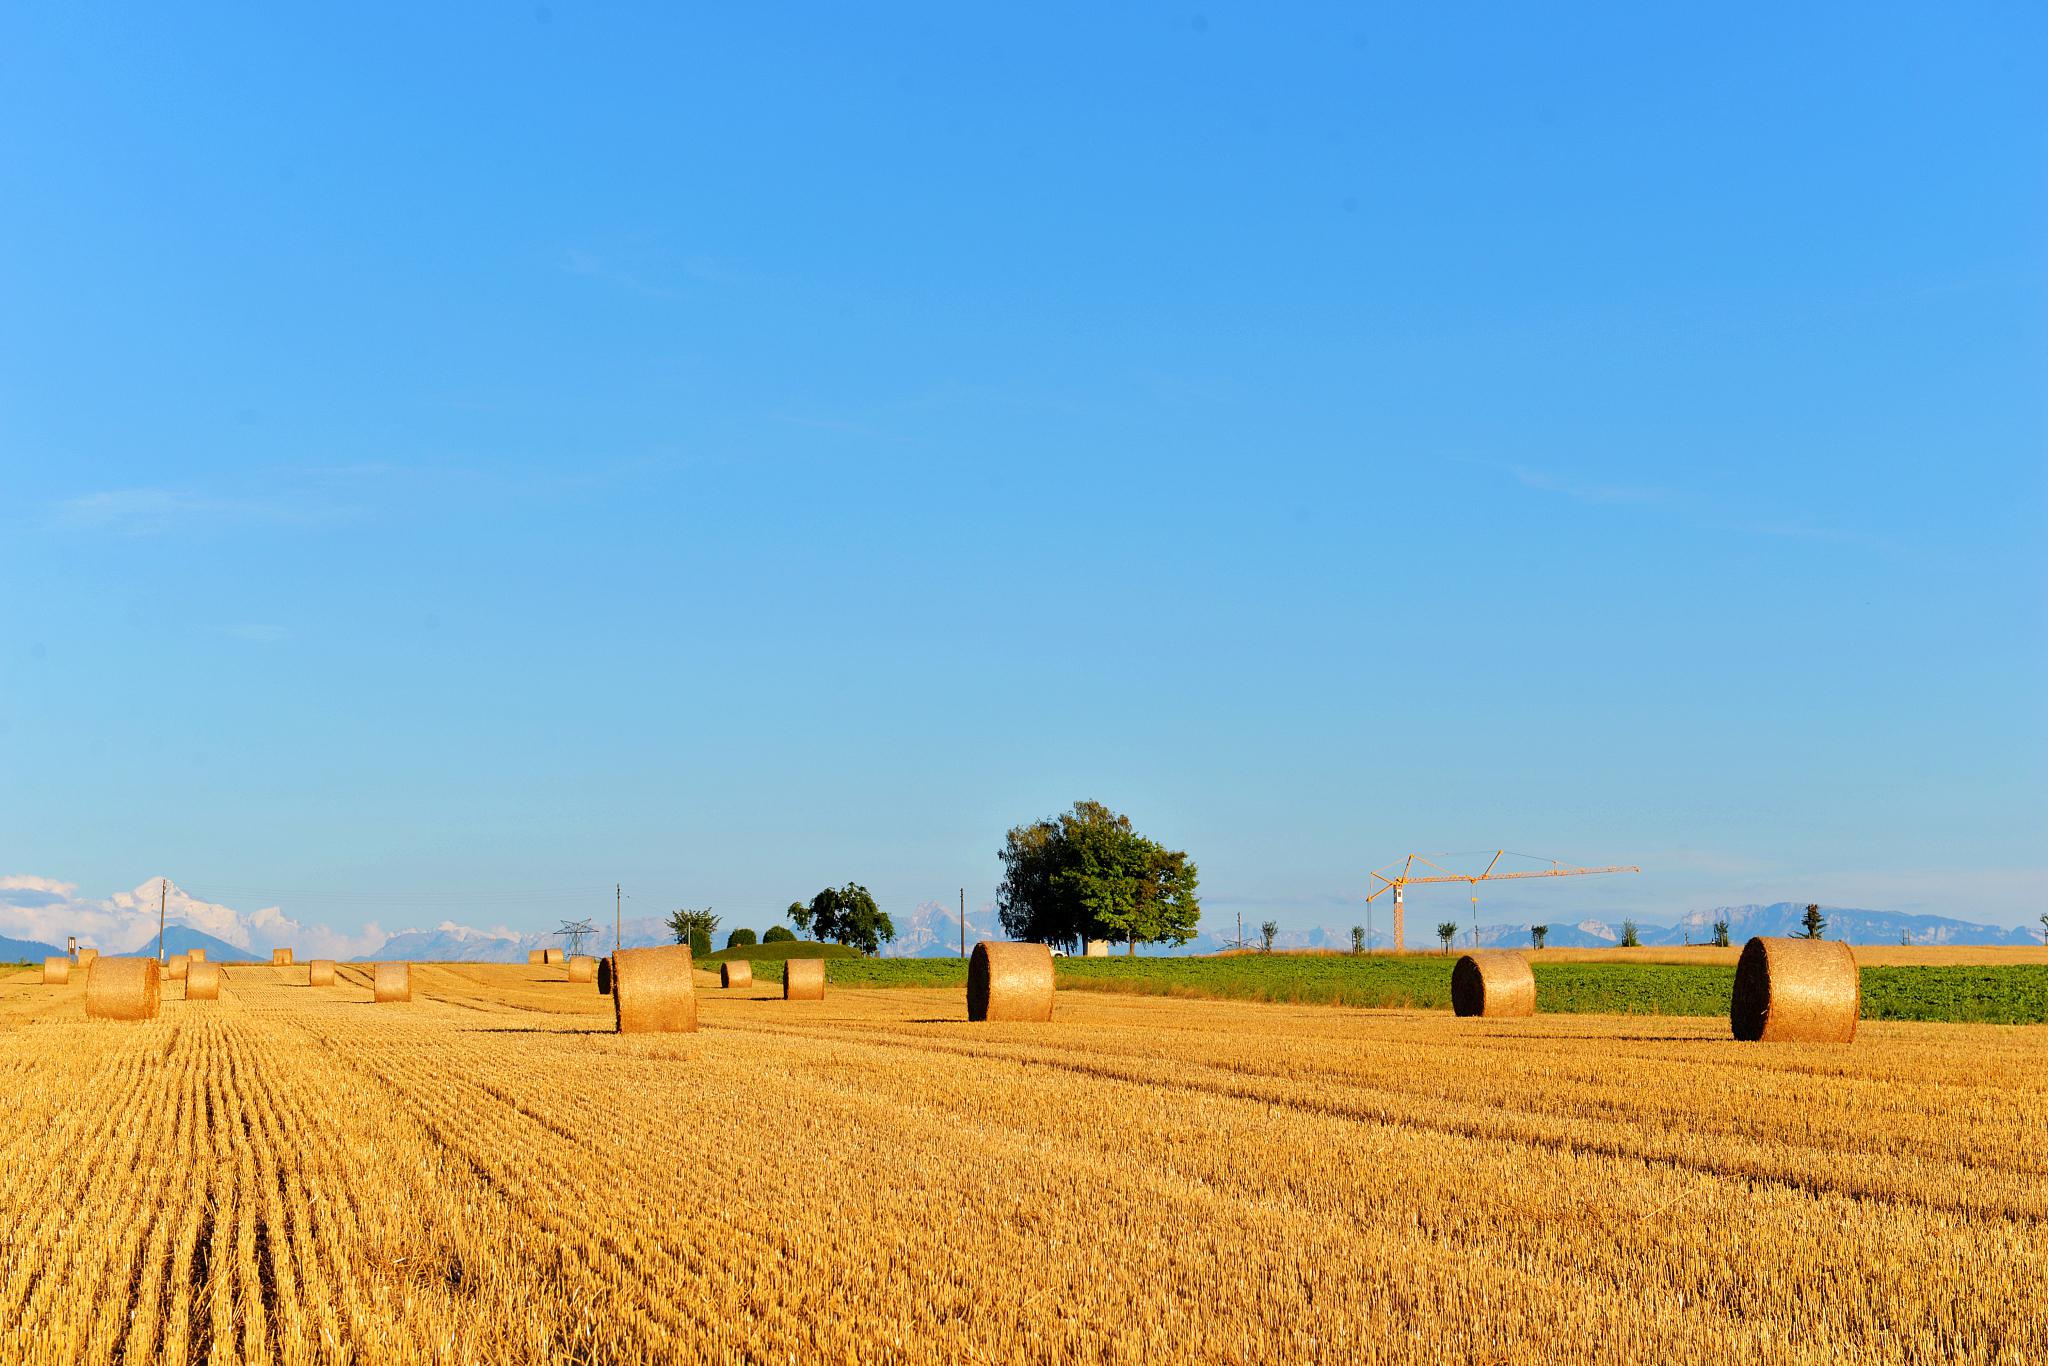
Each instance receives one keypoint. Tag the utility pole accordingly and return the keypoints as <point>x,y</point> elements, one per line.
<point>963,922</point>
<point>1368,927</point>
<point>1240,930</point>
<point>162,887</point>
<point>618,916</point>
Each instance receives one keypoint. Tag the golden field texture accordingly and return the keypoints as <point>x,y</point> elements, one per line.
<point>490,1174</point>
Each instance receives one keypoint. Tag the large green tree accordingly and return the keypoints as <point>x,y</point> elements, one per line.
<point>845,915</point>
<point>1087,874</point>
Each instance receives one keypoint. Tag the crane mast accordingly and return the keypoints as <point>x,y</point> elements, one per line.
<point>1407,877</point>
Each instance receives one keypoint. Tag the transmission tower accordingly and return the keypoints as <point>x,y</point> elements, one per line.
<point>574,931</point>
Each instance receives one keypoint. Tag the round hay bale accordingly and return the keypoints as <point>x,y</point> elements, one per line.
<point>551,955</point>
<point>123,989</point>
<point>1095,948</point>
<point>604,975</point>
<point>196,955</point>
<point>280,958</point>
<point>320,972</point>
<point>202,982</point>
<point>737,972</point>
<point>1007,981</point>
<point>86,957</point>
<point>1796,991</point>
<point>582,968</point>
<point>803,979</point>
<point>652,991</point>
<point>1493,983</point>
<point>56,971</point>
<point>175,968</point>
<point>394,982</point>
<point>535,957</point>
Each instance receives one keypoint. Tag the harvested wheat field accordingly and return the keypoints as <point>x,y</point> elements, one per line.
<point>491,1174</point>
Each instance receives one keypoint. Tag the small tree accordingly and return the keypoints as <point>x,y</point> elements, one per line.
<point>1266,933</point>
<point>1813,921</point>
<point>1538,933</point>
<point>846,915</point>
<point>1721,933</point>
<point>1628,935</point>
<point>694,928</point>
<point>2044,930</point>
<point>741,938</point>
<point>1358,939</point>
<point>1447,931</point>
<point>779,934</point>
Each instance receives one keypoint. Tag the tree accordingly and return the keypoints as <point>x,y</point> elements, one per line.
<point>1087,874</point>
<point>2044,929</point>
<point>1538,933</point>
<point>779,934</point>
<point>1358,939</point>
<point>694,928</point>
<point>740,938</point>
<point>1447,931</point>
<point>846,915</point>
<point>1628,935</point>
<point>1813,921</point>
<point>1721,933</point>
<point>1266,933</point>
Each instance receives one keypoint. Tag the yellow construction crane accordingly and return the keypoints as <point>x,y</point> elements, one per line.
<point>1407,878</point>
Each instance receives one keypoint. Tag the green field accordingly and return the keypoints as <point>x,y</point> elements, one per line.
<point>2016,994</point>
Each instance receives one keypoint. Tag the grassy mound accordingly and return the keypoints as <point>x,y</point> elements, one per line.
<point>776,953</point>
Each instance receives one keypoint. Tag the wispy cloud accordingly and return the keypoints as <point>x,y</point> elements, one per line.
<point>261,632</point>
<point>1807,531</point>
<point>153,511</point>
<point>1580,490</point>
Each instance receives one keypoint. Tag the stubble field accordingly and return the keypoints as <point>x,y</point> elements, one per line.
<point>488,1174</point>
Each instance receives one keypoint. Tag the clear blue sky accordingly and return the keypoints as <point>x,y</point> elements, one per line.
<point>464,450</point>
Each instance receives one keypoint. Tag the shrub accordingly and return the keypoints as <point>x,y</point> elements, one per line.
<point>739,938</point>
<point>700,943</point>
<point>779,934</point>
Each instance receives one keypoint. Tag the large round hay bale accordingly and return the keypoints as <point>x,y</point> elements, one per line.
<point>551,955</point>
<point>1796,991</point>
<point>196,955</point>
<point>56,971</point>
<point>803,979</point>
<point>1095,948</point>
<point>87,957</point>
<point>280,958</point>
<point>604,975</point>
<point>736,972</point>
<point>536,957</point>
<point>123,989</point>
<point>582,968</point>
<point>653,992</point>
<point>394,982</point>
<point>320,972</point>
<point>202,982</point>
<point>1007,981</point>
<point>1493,983</point>
<point>174,968</point>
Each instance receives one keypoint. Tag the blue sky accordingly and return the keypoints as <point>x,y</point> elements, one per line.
<point>465,456</point>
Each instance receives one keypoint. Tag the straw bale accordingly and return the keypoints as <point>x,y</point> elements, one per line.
<point>280,958</point>
<point>1796,991</point>
<point>604,975</point>
<point>174,968</point>
<point>536,957</point>
<point>803,979</point>
<point>196,955</point>
<point>320,972</point>
<point>86,957</point>
<point>582,968</point>
<point>56,971</point>
<point>123,989</point>
<point>653,992</point>
<point>1095,948</point>
<point>551,955</point>
<point>202,982</point>
<point>1008,981</point>
<point>394,982</point>
<point>737,972</point>
<point>1493,983</point>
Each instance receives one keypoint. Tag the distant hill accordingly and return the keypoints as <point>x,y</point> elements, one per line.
<point>180,938</point>
<point>26,950</point>
<point>1780,918</point>
<point>452,943</point>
